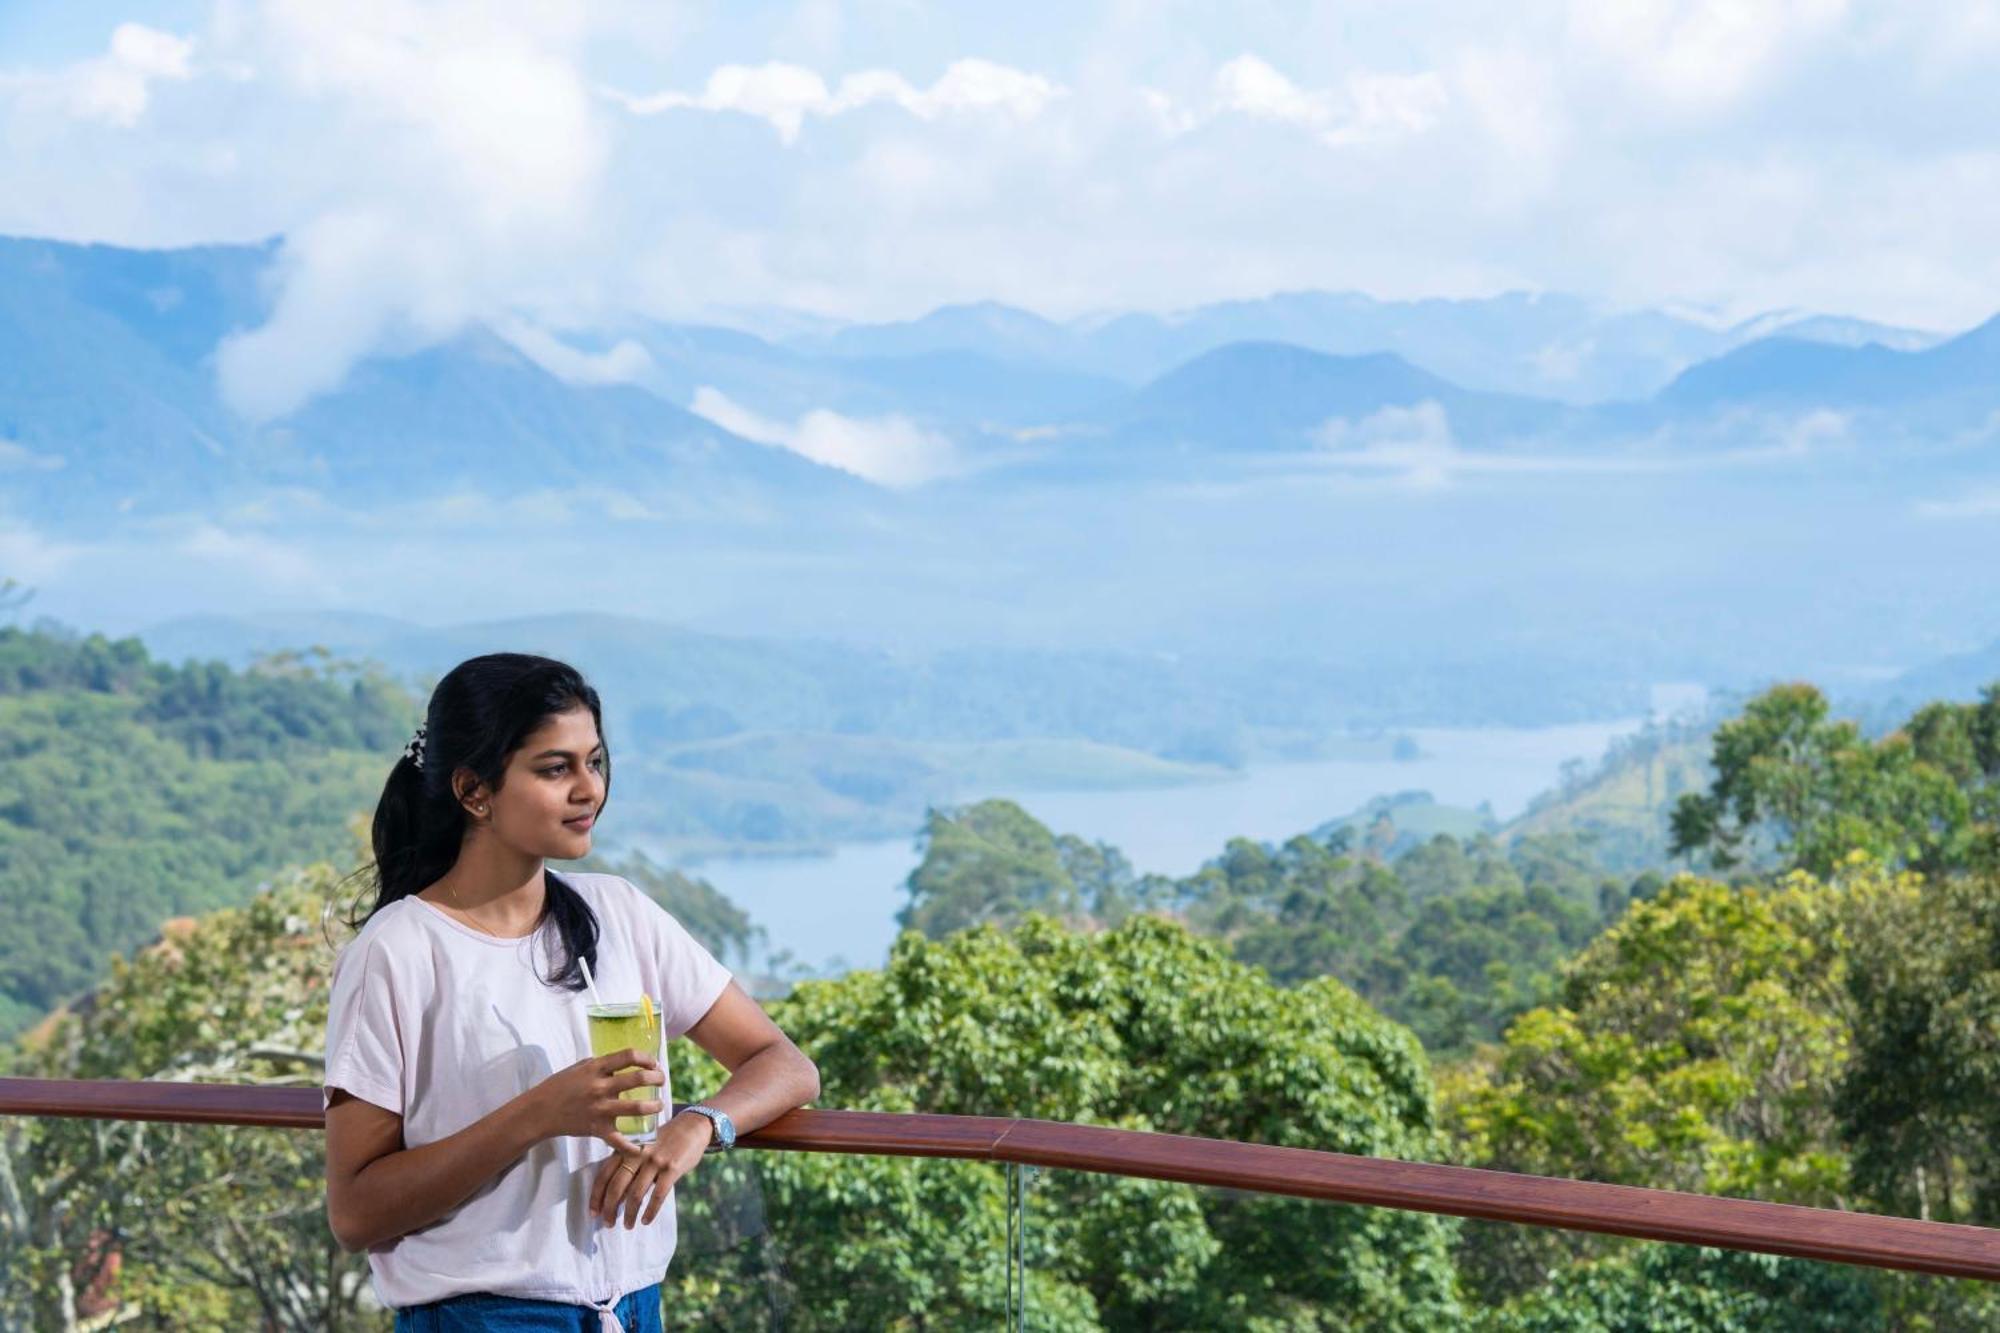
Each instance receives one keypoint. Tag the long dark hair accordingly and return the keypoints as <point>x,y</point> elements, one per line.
<point>483,710</point>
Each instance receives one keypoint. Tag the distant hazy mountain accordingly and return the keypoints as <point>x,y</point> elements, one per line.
<point>476,413</point>
<point>1962,371</point>
<point>109,404</point>
<point>104,390</point>
<point>1837,330</point>
<point>942,386</point>
<point>1265,395</point>
<point>667,684</point>
<point>1960,677</point>
<point>987,327</point>
<point>1546,345</point>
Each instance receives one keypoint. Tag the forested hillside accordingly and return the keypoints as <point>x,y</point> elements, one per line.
<point>132,791</point>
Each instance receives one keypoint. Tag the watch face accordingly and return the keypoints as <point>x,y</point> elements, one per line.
<point>721,1129</point>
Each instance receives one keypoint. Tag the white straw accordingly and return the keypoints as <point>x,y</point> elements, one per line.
<point>590,981</point>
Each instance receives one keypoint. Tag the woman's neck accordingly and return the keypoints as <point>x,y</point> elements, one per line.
<point>498,889</point>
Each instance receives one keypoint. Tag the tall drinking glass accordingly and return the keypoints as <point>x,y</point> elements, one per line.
<point>629,1026</point>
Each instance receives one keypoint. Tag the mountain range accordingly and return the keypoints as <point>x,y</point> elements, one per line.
<point>109,401</point>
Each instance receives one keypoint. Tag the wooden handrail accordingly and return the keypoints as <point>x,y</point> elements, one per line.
<point>1501,1196</point>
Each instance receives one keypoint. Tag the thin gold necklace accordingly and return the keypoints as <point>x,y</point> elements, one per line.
<point>474,922</point>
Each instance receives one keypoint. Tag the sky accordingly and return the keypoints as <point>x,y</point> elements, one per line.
<point>563,166</point>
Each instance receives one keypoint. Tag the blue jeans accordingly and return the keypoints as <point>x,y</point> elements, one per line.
<point>476,1312</point>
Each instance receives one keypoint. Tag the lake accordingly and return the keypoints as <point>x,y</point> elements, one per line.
<point>837,911</point>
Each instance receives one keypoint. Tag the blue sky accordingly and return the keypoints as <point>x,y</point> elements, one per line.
<point>569,165</point>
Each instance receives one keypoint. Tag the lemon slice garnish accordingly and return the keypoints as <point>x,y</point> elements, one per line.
<point>646,1008</point>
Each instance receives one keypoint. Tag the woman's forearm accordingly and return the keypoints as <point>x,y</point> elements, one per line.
<point>401,1191</point>
<point>773,1081</point>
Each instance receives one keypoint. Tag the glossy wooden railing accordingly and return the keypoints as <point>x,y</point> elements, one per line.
<point>1624,1210</point>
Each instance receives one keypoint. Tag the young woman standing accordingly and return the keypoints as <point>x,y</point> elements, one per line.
<point>468,1149</point>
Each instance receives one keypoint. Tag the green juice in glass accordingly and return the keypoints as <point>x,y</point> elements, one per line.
<point>621,1027</point>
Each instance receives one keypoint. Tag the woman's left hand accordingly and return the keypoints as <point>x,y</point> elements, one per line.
<point>626,1179</point>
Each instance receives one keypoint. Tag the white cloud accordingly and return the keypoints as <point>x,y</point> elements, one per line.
<point>477,511</point>
<point>18,457</point>
<point>1369,107</point>
<point>31,559</point>
<point>1980,502</point>
<point>465,170</point>
<point>890,451</point>
<point>433,165</point>
<point>1415,442</point>
<point>624,362</point>
<point>1813,430</point>
<point>115,88</point>
<point>1416,448</point>
<point>1699,55</point>
<point>261,561</point>
<point>786,94</point>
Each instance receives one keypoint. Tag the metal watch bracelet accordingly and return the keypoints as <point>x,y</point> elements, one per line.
<point>722,1130</point>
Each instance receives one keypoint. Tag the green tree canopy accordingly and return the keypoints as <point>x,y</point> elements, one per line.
<point>1452,937</point>
<point>995,862</point>
<point>132,791</point>
<point>1798,787</point>
<point>1144,1026</point>
<point>1921,1101</point>
<point>1696,1046</point>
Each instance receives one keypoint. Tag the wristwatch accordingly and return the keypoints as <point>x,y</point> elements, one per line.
<point>723,1136</point>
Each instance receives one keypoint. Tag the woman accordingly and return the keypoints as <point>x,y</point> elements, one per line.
<point>468,1150</point>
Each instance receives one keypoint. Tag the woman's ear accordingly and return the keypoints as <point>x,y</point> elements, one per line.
<point>471,792</point>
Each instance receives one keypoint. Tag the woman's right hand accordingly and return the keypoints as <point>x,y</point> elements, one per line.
<point>583,1100</point>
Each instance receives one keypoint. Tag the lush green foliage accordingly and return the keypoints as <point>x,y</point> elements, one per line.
<point>216,1226</point>
<point>1795,784</point>
<point>1622,808</point>
<point>994,862</point>
<point>132,791</point>
<point>1680,1289</point>
<point>1921,1102</point>
<point>1696,1046</point>
<point>1143,1027</point>
<point>1450,938</point>
<point>1708,1042</point>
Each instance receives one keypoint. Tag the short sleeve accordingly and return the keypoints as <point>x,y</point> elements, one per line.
<point>690,979</point>
<point>364,1037</point>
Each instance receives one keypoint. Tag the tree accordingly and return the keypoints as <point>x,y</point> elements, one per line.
<point>1921,1099</point>
<point>1685,1289</point>
<point>14,596</point>
<point>217,1226</point>
<point>1794,786</point>
<point>1452,937</point>
<point>988,862</point>
<point>1145,1026</point>
<point>1697,1046</point>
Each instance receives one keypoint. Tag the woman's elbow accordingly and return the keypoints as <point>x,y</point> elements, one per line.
<point>809,1080</point>
<point>347,1229</point>
<point>343,1232</point>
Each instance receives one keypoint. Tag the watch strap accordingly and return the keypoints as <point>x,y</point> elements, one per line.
<point>722,1130</point>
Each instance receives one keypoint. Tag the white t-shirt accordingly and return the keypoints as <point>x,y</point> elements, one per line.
<point>432,1019</point>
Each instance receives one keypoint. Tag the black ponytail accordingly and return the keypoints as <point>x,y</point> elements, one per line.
<point>483,710</point>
